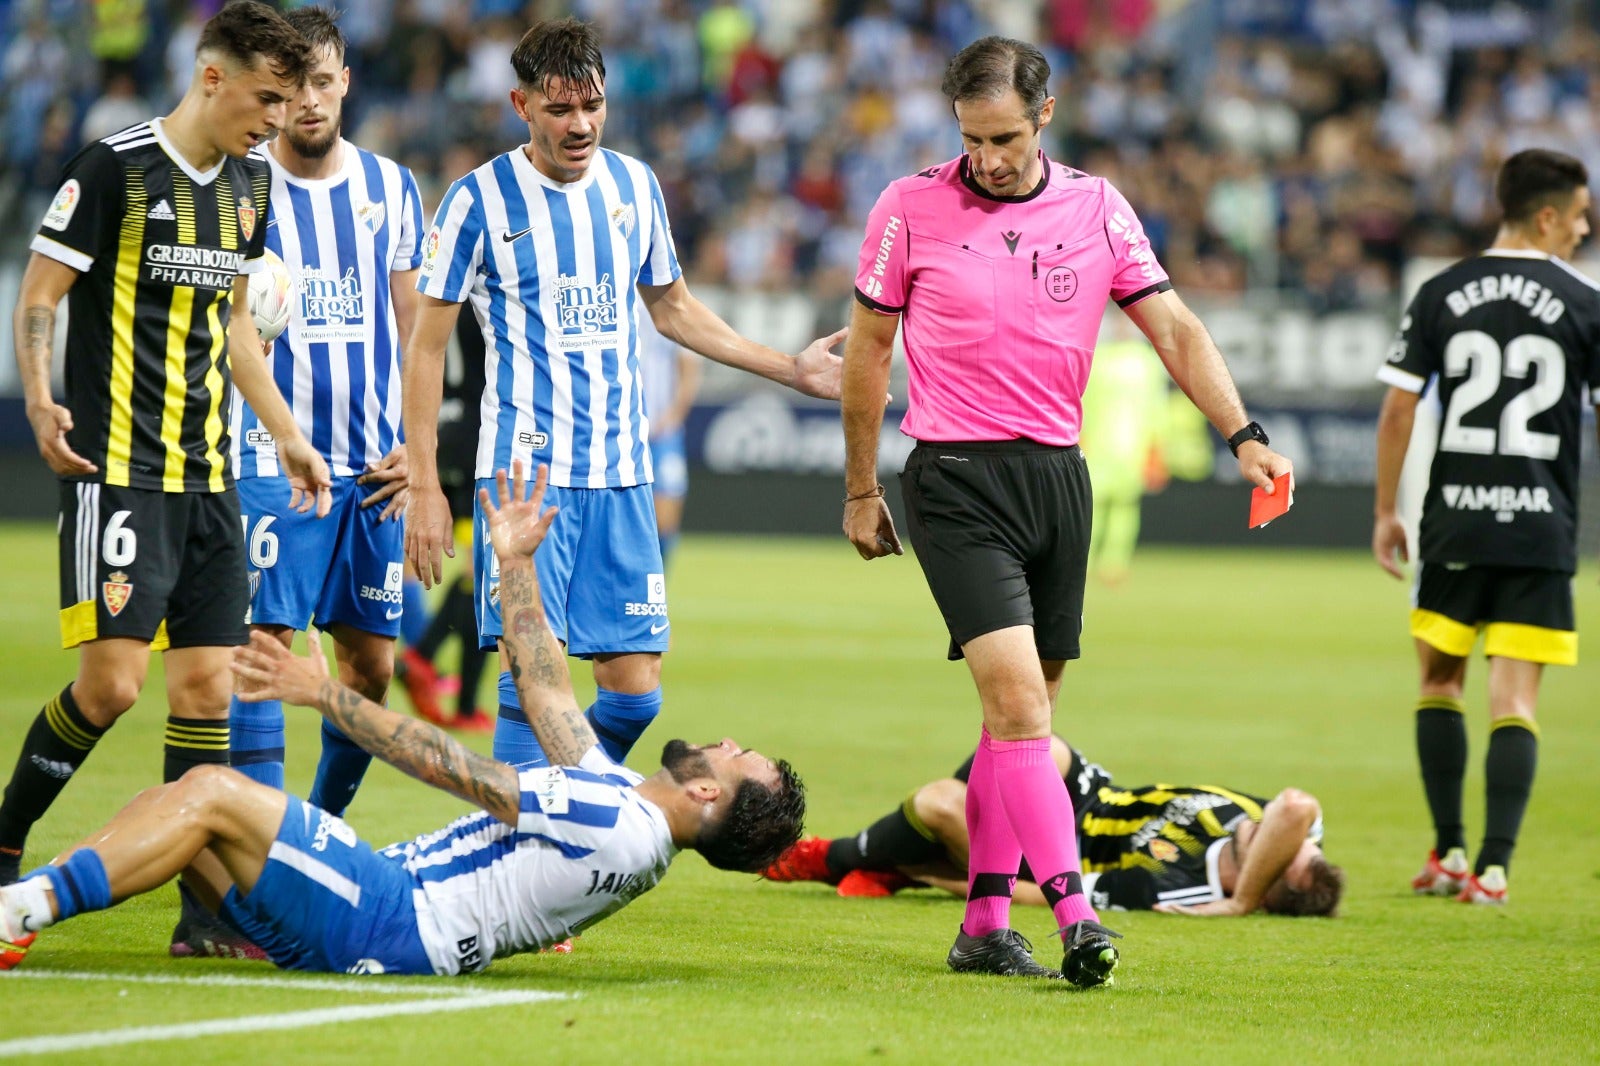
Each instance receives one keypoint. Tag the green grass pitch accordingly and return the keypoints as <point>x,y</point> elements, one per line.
<point>1252,669</point>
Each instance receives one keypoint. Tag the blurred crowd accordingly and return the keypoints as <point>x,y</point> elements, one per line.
<point>1307,146</point>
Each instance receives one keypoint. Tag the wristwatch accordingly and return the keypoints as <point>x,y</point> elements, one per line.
<point>1251,432</point>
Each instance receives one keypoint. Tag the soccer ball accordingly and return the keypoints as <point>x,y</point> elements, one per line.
<point>271,292</point>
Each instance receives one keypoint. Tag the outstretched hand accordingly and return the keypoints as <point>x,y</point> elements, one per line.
<point>516,525</point>
<point>265,670</point>
<point>817,370</point>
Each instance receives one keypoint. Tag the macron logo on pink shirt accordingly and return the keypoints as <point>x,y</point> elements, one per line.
<point>885,247</point>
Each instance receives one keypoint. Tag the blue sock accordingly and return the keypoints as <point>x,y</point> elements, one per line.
<point>339,771</point>
<point>620,718</point>
<point>80,884</point>
<point>256,740</point>
<point>414,616</point>
<point>514,741</point>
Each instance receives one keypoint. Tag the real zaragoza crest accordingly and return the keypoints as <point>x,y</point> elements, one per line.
<point>116,588</point>
<point>247,216</point>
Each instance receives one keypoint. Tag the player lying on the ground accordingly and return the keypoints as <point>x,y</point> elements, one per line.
<point>557,848</point>
<point>1181,849</point>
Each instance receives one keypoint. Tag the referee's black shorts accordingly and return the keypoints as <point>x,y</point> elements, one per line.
<point>1001,529</point>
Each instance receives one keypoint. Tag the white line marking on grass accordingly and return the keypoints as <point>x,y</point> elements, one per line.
<point>256,1023</point>
<point>324,984</point>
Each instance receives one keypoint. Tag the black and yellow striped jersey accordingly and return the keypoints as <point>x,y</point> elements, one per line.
<point>1512,338</point>
<point>158,245</point>
<point>1159,843</point>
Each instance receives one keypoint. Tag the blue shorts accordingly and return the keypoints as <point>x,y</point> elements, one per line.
<point>346,568</point>
<point>600,572</point>
<point>326,901</point>
<point>669,458</point>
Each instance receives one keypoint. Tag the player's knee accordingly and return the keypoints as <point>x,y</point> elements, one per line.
<point>635,673</point>
<point>367,670</point>
<point>199,695</point>
<point>202,786</point>
<point>103,698</point>
<point>942,807</point>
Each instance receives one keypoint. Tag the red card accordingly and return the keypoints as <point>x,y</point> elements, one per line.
<point>1264,508</point>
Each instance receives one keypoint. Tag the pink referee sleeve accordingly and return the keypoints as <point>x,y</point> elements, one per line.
<point>1135,272</point>
<point>881,278</point>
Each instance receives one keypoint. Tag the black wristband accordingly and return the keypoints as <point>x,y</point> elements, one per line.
<point>1253,431</point>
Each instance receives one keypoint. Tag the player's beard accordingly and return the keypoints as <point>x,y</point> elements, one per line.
<point>313,148</point>
<point>683,762</point>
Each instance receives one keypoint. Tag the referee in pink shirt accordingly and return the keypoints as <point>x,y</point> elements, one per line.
<point>999,264</point>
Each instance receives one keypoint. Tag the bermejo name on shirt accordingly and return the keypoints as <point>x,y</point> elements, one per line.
<point>1540,301</point>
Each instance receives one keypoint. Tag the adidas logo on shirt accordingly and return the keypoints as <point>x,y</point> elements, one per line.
<point>162,211</point>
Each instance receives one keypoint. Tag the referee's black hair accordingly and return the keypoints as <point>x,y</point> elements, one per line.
<point>568,49</point>
<point>760,823</point>
<point>246,31</point>
<point>989,67</point>
<point>1535,178</point>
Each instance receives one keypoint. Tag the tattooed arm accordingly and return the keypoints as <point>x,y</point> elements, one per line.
<point>266,669</point>
<point>424,751</point>
<point>539,667</point>
<point>517,525</point>
<point>44,283</point>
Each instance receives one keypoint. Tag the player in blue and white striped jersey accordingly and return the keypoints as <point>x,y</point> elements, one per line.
<point>347,224</point>
<point>556,244</point>
<point>555,849</point>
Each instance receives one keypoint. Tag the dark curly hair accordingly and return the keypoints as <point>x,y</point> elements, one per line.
<point>568,49</point>
<point>760,823</point>
<point>1319,899</point>
<point>246,31</point>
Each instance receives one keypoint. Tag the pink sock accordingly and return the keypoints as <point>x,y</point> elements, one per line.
<point>1039,809</point>
<point>993,852</point>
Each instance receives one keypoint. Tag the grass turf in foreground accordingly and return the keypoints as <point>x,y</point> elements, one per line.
<point>1256,670</point>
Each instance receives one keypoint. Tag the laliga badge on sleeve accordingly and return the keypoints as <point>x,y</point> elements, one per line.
<point>1264,508</point>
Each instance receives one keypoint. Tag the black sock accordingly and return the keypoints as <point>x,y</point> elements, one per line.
<point>473,661</point>
<point>896,839</point>
<point>194,742</point>
<point>1442,753</point>
<point>56,745</point>
<point>1507,780</point>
